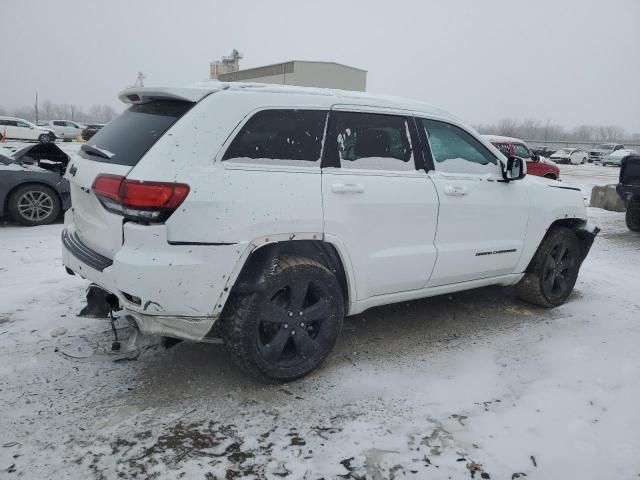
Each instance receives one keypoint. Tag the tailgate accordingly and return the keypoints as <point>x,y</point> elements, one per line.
<point>96,227</point>
<point>115,150</point>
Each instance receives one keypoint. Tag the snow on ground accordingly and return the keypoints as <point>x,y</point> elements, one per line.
<point>472,385</point>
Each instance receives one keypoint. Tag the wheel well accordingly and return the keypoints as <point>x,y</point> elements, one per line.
<point>585,237</point>
<point>552,176</point>
<point>264,260</point>
<point>20,185</point>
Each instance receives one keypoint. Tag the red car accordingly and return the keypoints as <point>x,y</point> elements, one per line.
<point>514,147</point>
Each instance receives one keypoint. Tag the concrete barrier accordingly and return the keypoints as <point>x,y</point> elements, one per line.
<point>605,196</point>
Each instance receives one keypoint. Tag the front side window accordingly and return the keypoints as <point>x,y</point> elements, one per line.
<point>456,151</point>
<point>280,135</point>
<point>59,124</point>
<point>522,151</point>
<point>371,141</point>
<point>23,124</point>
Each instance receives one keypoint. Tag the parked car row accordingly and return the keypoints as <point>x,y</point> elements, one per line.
<point>47,131</point>
<point>12,128</point>
<point>604,154</point>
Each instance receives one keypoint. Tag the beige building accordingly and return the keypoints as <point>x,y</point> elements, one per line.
<point>302,73</point>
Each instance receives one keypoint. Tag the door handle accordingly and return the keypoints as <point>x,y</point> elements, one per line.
<point>455,191</point>
<point>347,188</point>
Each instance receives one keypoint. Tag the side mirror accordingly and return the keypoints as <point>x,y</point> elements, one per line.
<point>514,170</point>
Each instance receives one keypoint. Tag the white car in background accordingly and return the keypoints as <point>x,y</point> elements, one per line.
<point>573,156</point>
<point>65,129</point>
<point>616,157</point>
<point>21,129</point>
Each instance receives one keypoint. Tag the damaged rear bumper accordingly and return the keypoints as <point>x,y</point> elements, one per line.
<point>169,290</point>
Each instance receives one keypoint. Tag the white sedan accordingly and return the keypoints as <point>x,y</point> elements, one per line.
<point>615,158</point>
<point>574,156</point>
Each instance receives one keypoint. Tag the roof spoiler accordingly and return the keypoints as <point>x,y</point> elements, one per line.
<point>137,95</point>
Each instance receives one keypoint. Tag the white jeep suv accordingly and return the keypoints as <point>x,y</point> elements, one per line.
<point>265,214</point>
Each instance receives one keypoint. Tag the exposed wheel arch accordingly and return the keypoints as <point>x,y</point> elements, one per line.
<point>264,260</point>
<point>578,225</point>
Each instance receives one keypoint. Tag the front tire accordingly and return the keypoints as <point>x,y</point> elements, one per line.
<point>554,269</point>
<point>33,205</point>
<point>632,217</point>
<point>286,330</point>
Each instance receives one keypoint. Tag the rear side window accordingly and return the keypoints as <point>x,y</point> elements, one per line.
<point>280,135</point>
<point>58,123</point>
<point>371,141</point>
<point>126,139</point>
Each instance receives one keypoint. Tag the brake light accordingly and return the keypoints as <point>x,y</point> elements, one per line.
<point>138,200</point>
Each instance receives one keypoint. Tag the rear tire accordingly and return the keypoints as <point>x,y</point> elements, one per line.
<point>33,205</point>
<point>286,330</point>
<point>553,271</point>
<point>632,217</point>
<point>44,138</point>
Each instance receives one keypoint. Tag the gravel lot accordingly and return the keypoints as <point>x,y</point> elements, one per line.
<point>472,385</point>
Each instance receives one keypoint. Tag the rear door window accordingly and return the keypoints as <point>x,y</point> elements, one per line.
<point>370,141</point>
<point>126,139</point>
<point>280,134</point>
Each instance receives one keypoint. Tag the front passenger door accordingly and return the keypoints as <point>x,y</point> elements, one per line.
<point>482,221</point>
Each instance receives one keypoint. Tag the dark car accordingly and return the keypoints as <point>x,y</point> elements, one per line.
<point>543,151</point>
<point>91,130</point>
<point>629,190</point>
<point>32,188</point>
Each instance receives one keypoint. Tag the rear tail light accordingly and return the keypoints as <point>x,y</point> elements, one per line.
<point>145,202</point>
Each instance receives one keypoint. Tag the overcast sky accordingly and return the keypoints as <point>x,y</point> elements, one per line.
<point>570,62</point>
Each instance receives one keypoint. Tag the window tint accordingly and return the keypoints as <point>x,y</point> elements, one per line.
<point>522,151</point>
<point>280,135</point>
<point>371,141</point>
<point>11,123</point>
<point>60,124</point>
<point>456,151</point>
<point>127,137</point>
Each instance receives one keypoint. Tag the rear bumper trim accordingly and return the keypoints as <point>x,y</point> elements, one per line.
<point>83,253</point>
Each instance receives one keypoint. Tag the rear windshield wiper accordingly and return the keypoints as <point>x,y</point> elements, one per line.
<point>98,152</point>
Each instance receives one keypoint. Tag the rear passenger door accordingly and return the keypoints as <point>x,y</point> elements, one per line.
<point>378,206</point>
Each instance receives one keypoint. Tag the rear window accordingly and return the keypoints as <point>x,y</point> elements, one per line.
<point>126,139</point>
